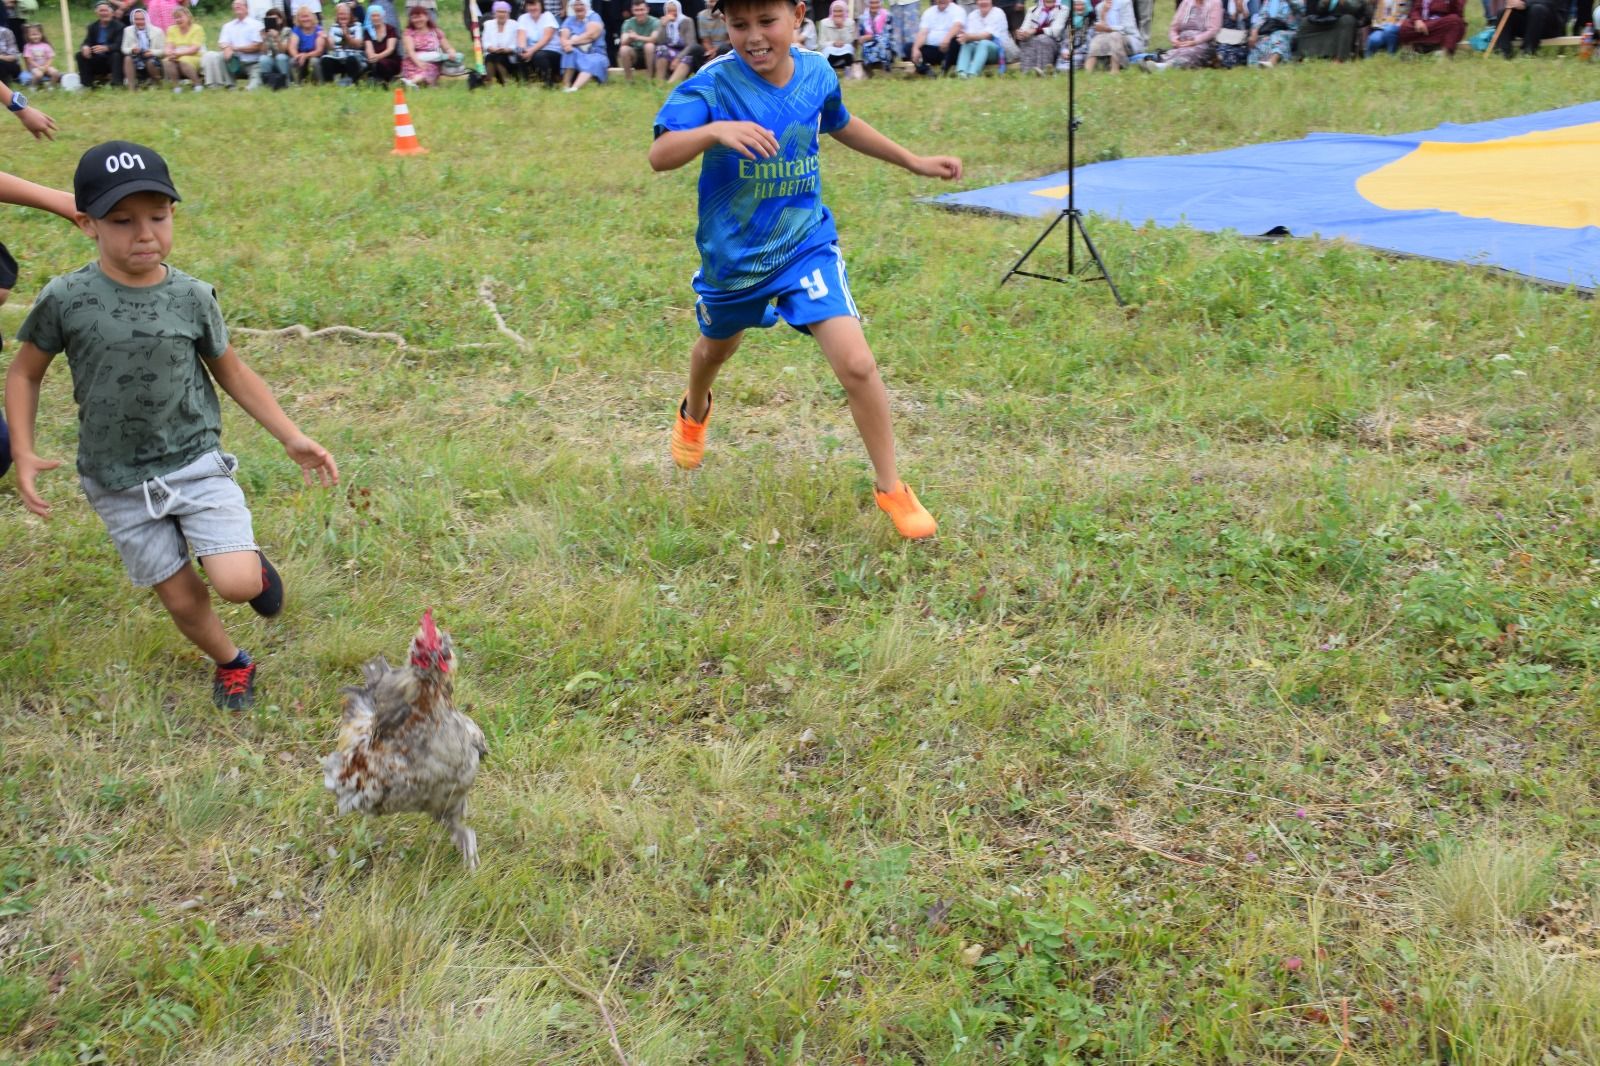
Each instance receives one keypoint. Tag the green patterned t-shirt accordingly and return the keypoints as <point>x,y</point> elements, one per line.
<point>145,402</point>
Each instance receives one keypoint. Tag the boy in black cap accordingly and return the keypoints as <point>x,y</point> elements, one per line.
<point>144,343</point>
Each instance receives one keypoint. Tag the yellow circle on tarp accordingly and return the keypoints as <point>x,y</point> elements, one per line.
<point>1547,178</point>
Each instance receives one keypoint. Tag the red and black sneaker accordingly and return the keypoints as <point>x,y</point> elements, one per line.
<point>270,602</point>
<point>234,687</point>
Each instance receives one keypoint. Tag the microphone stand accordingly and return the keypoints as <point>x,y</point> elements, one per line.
<point>1071,215</point>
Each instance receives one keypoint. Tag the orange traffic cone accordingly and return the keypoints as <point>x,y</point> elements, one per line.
<point>405,134</point>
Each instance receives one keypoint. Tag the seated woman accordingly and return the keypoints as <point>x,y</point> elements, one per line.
<point>1434,24</point>
<point>675,41</point>
<point>836,39</point>
<point>541,48</point>
<point>1385,34</point>
<point>872,31</point>
<point>142,48</point>
<point>307,42</point>
<point>186,43</point>
<point>1116,35</point>
<point>1194,35</point>
<point>423,50</point>
<point>982,35</point>
<point>502,43</point>
<point>347,52</point>
<point>382,48</point>
<point>805,35</point>
<point>274,50</point>
<point>1040,35</point>
<point>583,47</point>
<point>1328,30</point>
<point>1233,40</point>
<point>1272,31</point>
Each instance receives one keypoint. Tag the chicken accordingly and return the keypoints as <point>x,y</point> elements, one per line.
<point>403,746</point>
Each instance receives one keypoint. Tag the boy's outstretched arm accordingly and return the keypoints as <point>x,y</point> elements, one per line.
<point>252,394</point>
<point>22,407</point>
<point>674,148</point>
<point>13,190</point>
<point>857,135</point>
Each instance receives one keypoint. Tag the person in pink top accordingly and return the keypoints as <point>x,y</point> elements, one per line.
<point>39,58</point>
<point>160,12</point>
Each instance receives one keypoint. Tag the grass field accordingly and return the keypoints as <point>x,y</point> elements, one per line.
<point>1243,711</point>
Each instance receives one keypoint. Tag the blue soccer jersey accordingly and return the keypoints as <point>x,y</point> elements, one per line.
<point>757,216</point>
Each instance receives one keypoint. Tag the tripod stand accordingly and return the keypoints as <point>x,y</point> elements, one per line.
<point>1070,214</point>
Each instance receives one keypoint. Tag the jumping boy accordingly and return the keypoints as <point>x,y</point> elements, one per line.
<point>144,343</point>
<point>765,236</point>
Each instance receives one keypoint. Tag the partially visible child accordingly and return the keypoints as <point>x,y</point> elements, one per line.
<point>14,190</point>
<point>765,236</point>
<point>144,343</point>
<point>39,58</point>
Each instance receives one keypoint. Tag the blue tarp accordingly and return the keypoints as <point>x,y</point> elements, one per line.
<point>1309,188</point>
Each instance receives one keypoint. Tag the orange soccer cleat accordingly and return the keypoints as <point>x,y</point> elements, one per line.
<point>689,436</point>
<point>910,517</point>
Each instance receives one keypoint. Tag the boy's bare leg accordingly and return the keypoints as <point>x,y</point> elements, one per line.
<point>847,351</point>
<point>704,362</point>
<point>188,601</point>
<point>235,576</point>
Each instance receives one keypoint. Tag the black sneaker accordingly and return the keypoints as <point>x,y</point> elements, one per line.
<point>270,602</point>
<point>234,687</point>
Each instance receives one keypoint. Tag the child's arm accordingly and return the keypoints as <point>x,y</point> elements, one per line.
<point>13,190</point>
<point>859,136</point>
<point>252,394</point>
<point>22,407</point>
<point>674,148</point>
<point>33,120</point>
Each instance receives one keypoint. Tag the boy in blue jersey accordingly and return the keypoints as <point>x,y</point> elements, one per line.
<point>768,246</point>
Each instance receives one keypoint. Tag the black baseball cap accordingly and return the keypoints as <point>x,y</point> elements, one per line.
<point>108,172</point>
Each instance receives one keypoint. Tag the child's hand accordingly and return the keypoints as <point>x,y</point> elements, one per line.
<point>313,458</point>
<point>749,139</point>
<point>36,122</point>
<point>947,167</point>
<point>28,468</point>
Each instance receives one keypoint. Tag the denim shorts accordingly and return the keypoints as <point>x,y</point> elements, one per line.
<point>157,523</point>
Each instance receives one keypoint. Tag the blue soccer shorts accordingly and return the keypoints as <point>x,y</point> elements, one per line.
<point>813,288</point>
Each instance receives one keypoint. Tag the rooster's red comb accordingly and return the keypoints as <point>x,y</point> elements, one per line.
<point>430,633</point>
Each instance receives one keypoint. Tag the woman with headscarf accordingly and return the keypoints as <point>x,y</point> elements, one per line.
<point>502,42</point>
<point>382,47</point>
<point>1116,35</point>
<point>423,49</point>
<point>836,38</point>
<point>1194,36</point>
<point>1272,31</point>
<point>1039,36</point>
<point>541,48</point>
<point>583,47</point>
<point>872,31</point>
<point>675,41</point>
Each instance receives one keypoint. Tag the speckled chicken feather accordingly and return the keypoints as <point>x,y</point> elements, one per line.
<point>404,747</point>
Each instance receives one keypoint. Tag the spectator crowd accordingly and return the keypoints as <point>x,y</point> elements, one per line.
<point>279,43</point>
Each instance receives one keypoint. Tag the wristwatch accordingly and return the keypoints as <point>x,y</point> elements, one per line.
<point>18,103</point>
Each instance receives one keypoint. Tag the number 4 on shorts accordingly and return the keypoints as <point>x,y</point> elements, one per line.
<point>815,287</point>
